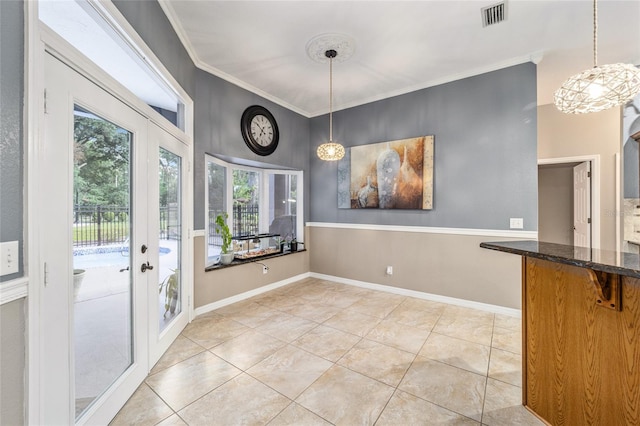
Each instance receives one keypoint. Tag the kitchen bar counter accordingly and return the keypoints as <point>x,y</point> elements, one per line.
<point>580,333</point>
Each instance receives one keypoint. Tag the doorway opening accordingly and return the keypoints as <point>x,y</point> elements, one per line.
<point>569,201</point>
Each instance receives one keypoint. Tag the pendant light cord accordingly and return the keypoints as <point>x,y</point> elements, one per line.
<point>595,33</point>
<point>330,99</point>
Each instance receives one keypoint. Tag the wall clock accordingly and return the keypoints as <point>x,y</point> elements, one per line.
<point>259,130</point>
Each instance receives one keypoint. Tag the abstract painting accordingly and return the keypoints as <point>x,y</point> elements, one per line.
<point>389,175</point>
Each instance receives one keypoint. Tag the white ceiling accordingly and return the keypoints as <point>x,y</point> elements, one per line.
<point>400,46</point>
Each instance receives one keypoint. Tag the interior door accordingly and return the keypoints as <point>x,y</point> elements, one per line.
<point>582,205</point>
<point>168,296</point>
<point>94,222</point>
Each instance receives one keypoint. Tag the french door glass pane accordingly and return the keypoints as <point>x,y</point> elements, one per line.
<point>101,261</point>
<point>170,237</point>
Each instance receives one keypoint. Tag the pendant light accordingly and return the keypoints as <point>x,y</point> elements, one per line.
<point>599,88</point>
<point>330,151</point>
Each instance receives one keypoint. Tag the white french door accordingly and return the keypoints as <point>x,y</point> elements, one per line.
<point>114,237</point>
<point>168,297</point>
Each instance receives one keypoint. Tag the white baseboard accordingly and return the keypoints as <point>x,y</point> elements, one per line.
<point>421,295</point>
<point>380,287</point>
<point>14,290</point>
<point>247,294</point>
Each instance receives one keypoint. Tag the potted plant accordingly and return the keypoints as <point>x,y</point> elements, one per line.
<point>226,254</point>
<point>170,284</point>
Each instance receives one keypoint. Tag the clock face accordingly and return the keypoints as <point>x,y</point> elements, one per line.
<point>259,130</point>
<point>262,130</point>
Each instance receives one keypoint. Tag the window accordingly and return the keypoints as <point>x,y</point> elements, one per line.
<point>256,200</point>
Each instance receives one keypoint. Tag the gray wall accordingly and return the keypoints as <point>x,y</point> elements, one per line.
<point>219,106</point>
<point>150,22</point>
<point>12,318</point>
<point>11,131</point>
<point>485,151</point>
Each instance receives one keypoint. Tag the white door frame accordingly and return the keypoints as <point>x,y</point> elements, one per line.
<point>35,39</point>
<point>595,189</point>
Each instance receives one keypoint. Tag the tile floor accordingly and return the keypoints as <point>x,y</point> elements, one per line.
<point>320,353</point>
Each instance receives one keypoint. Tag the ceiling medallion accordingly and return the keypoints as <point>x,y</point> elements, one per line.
<point>343,44</point>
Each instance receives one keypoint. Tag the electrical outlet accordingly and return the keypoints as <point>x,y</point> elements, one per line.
<point>516,223</point>
<point>9,259</point>
<point>389,270</point>
<point>265,269</point>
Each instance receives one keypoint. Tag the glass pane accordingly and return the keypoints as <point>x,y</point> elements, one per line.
<point>216,187</point>
<point>170,284</point>
<point>282,205</point>
<point>246,195</point>
<point>101,262</point>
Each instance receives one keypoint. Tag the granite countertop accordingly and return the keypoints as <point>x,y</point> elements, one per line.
<point>616,262</point>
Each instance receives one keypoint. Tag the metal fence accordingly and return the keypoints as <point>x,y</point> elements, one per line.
<point>246,221</point>
<point>99,225</point>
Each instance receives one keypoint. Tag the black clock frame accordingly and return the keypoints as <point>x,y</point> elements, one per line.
<point>245,126</point>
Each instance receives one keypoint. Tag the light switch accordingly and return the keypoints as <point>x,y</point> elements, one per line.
<point>9,259</point>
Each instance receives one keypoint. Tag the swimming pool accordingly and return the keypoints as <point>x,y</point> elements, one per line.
<point>96,259</point>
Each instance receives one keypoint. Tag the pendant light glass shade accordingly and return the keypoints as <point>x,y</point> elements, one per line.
<point>599,88</point>
<point>330,151</point>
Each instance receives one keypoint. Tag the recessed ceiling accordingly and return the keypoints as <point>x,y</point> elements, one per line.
<point>400,46</point>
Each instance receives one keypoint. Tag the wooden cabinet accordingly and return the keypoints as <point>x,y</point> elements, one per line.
<point>581,360</point>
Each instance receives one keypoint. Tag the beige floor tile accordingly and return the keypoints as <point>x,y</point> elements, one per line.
<point>336,298</point>
<point>458,353</point>
<point>174,420</point>
<point>241,401</point>
<point>143,408</point>
<point>286,327</point>
<point>238,307</point>
<point>424,305</point>
<point>401,336</point>
<point>406,409</point>
<point>378,361</point>
<point>297,415</point>
<point>327,342</point>
<point>211,331</point>
<point>408,314</point>
<point>352,322</point>
<point>506,367</point>
<point>181,349</point>
<point>503,406</point>
<point>248,349</point>
<point>282,302</point>
<point>313,311</point>
<point>450,387</point>
<point>376,306</point>
<point>188,380</point>
<point>469,314</point>
<point>507,340</point>
<point>253,316</point>
<point>509,322</point>
<point>462,328</point>
<point>344,397</point>
<point>290,370</point>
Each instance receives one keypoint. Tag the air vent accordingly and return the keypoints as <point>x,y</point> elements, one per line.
<point>494,14</point>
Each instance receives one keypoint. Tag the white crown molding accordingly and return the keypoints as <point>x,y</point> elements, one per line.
<point>531,235</point>
<point>534,57</point>
<point>14,290</point>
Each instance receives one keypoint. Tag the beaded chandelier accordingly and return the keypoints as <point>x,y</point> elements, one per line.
<point>330,151</point>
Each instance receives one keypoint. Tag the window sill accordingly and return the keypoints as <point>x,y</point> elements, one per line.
<point>237,262</point>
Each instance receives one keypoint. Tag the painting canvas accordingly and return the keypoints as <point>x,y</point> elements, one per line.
<point>392,175</point>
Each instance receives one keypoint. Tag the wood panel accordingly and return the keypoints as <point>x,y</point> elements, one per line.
<point>582,363</point>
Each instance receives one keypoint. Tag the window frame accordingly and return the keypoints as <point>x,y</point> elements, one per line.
<point>263,198</point>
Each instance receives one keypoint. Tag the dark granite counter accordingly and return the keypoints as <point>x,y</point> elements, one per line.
<point>621,263</point>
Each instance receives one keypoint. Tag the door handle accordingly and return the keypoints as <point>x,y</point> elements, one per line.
<point>145,266</point>
<point>124,269</point>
